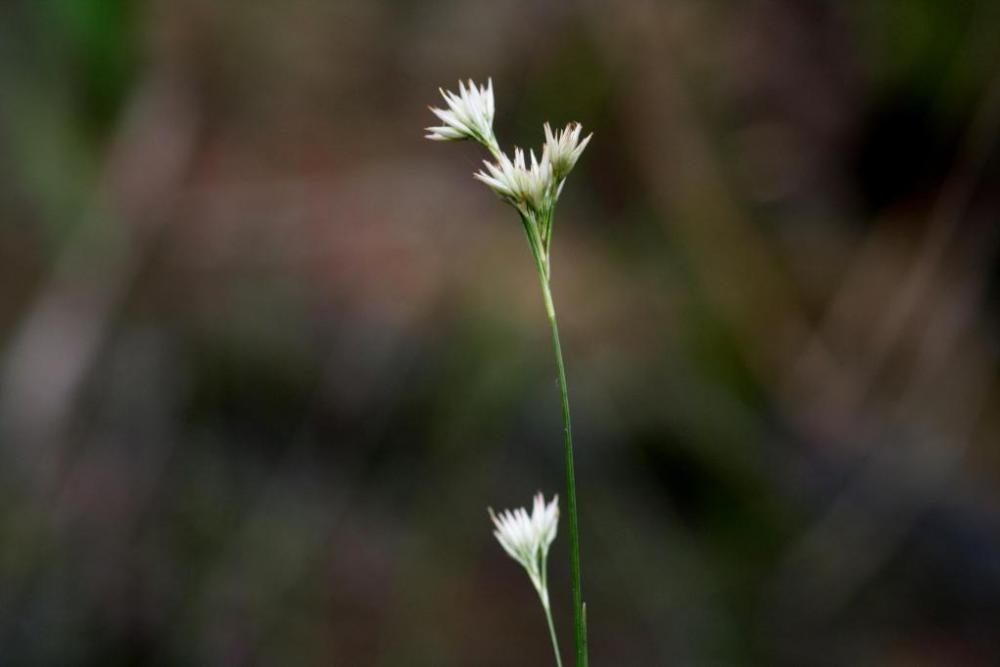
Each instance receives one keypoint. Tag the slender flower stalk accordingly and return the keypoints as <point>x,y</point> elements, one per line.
<point>533,189</point>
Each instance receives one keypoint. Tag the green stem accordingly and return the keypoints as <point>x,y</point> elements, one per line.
<point>579,633</point>
<point>552,633</point>
<point>492,146</point>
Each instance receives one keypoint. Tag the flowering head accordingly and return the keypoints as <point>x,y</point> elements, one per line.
<point>532,189</point>
<point>515,181</point>
<point>469,114</point>
<point>527,538</point>
<point>563,148</point>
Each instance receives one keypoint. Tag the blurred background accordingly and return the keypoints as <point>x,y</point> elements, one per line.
<point>267,355</point>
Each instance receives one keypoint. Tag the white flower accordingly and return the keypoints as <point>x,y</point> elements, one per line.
<point>517,182</point>
<point>563,148</point>
<point>527,538</point>
<point>469,114</point>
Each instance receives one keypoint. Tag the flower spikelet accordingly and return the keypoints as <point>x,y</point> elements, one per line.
<point>563,148</point>
<point>518,183</point>
<point>469,114</point>
<point>527,538</point>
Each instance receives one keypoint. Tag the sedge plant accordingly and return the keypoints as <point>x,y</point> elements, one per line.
<point>532,187</point>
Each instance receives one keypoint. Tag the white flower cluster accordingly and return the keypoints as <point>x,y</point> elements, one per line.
<point>527,538</point>
<point>516,182</point>
<point>536,187</point>
<point>532,189</point>
<point>563,148</point>
<point>469,114</point>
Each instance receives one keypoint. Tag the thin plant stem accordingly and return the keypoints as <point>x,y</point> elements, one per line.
<point>492,146</point>
<point>579,633</point>
<point>552,633</point>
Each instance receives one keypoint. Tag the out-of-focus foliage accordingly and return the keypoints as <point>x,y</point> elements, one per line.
<point>267,355</point>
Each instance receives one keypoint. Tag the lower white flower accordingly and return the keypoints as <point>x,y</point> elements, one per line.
<point>527,538</point>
